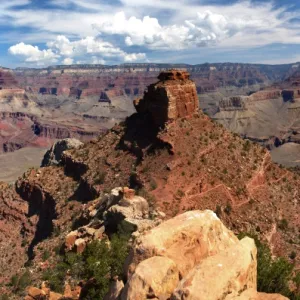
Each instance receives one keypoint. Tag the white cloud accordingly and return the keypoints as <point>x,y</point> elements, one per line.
<point>68,61</point>
<point>33,54</point>
<point>210,26</point>
<point>98,50</point>
<point>93,46</point>
<point>153,25</point>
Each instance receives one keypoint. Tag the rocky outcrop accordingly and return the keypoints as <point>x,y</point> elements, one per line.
<point>227,273</point>
<point>54,154</point>
<point>174,96</point>
<point>193,256</point>
<point>154,278</point>
<point>252,294</point>
<point>7,79</point>
<point>186,239</point>
<point>15,229</point>
<point>44,293</point>
<point>120,208</point>
<point>265,95</point>
<point>233,103</point>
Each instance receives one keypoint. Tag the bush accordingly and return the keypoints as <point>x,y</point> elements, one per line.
<point>20,282</point>
<point>283,224</point>
<point>100,262</point>
<point>228,209</point>
<point>273,275</point>
<point>46,255</point>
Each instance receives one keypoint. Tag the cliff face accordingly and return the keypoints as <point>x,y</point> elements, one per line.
<point>174,96</point>
<point>7,79</point>
<point>87,80</point>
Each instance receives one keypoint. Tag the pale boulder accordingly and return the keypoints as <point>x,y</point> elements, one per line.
<point>154,278</point>
<point>186,239</point>
<point>229,272</point>
<point>252,294</point>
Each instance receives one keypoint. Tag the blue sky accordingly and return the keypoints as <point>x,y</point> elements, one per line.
<point>38,33</point>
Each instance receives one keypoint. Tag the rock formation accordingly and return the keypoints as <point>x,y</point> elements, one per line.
<point>53,155</point>
<point>193,256</point>
<point>190,165</point>
<point>121,208</point>
<point>174,96</point>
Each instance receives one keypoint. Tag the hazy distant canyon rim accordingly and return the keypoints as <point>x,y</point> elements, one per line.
<point>39,106</point>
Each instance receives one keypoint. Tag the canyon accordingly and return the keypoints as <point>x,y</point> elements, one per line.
<point>40,106</point>
<point>177,163</point>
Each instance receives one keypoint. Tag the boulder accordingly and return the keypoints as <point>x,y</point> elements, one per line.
<point>70,240</point>
<point>186,239</point>
<point>80,245</point>
<point>56,296</point>
<point>154,278</point>
<point>228,272</point>
<point>53,156</point>
<point>115,290</point>
<point>132,214</point>
<point>36,294</point>
<point>252,294</point>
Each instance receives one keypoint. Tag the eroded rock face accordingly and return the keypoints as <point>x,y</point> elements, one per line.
<point>154,278</point>
<point>53,156</point>
<point>174,96</point>
<point>229,272</point>
<point>186,239</point>
<point>193,257</point>
<point>252,294</point>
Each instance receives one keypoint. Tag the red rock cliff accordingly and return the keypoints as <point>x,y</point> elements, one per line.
<point>174,96</point>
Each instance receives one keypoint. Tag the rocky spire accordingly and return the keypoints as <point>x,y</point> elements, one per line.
<point>173,96</point>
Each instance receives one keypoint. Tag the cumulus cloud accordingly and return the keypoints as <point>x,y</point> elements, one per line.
<point>97,50</point>
<point>207,28</point>
<point>92,46</point>
<point>33,54</point>
<point>68,61</point>
<point>121,27</point>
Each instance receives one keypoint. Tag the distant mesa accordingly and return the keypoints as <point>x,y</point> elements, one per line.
<point>173,96</point>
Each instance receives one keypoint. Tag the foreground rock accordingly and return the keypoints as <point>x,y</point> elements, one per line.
<point>252,294</point>
<point>229,272</point>
<point>53,156</point>
<point>192,257</point>
<point>186,239</point>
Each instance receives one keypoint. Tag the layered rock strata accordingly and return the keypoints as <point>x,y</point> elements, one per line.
<point>174,96</point>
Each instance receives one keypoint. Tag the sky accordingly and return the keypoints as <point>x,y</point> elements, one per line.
<point>39,33</point>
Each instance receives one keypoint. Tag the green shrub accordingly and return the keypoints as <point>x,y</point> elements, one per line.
<point>20,282</point>
<point>228,209</point>
<point>283,224</point>
<point>45,255</point>
<point>99,262</point>
<point>273,275</point>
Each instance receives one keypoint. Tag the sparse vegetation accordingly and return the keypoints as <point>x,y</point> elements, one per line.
<point>100,261</point>
<point>19,282</point>
<point>274,275</point>
<point>283,224</point>
<point>153,184</point>
<point>228,209</point>
<point>100,177</point>
<point>45,255</point>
